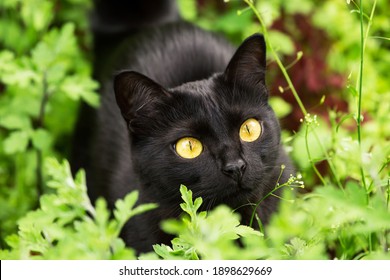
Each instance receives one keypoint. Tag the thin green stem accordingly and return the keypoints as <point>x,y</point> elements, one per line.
<point>298,58</point>
<point>363,40</point>
<point>380,37</point>
<point>277,187</point>
<point>40,122</point>
<point>388,193</point>
<point>330,163</point>
<point>310,158</point>
<point>360,91</point>
<point>292,182</point>
<point>384,165</point>
<point>261,200</point>
<point>276,57</point>
<point>293,90</point>
<point>386,244</point>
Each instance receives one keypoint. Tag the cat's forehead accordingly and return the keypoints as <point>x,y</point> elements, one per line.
<point>208,106</point>
<point>202,90</point>
<point>216,98</point>
<point>199,99</point>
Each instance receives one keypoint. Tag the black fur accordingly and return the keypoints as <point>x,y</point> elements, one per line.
<point>192,84</point>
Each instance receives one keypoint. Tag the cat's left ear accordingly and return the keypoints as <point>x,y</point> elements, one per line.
<point>248,64</point>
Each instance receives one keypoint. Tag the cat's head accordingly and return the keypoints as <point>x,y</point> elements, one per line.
<point>218,136</point>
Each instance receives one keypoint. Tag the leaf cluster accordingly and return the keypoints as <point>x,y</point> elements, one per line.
<point>68,226</point>
<point>212,235</point>
<point>44,74</point>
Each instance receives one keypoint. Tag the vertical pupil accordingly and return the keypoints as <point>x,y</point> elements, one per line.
<point>190,145</point>
<point>247,129</point>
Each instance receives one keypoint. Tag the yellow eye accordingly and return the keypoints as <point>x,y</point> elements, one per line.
<point>250,130</point>
<point>188,147</point>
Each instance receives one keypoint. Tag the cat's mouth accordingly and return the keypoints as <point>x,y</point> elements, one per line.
<point>241,184</point>
<point>233,196</point>
<point>239,188</point>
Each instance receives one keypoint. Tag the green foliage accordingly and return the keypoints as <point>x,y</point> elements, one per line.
<point>43,75</point>
<point>331,223</point>
<point>211,235</point>
<point>326,223</point>
<point>68,226</point>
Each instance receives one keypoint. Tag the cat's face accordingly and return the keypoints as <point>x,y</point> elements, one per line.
<point>219,136</point>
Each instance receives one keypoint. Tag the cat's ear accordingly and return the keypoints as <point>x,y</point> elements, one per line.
<point>248,64</point>
<point>134,91</point>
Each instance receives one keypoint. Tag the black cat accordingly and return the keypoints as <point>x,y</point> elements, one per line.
<point>182,108</point>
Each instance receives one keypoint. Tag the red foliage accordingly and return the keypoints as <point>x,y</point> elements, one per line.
<point>311,75</point>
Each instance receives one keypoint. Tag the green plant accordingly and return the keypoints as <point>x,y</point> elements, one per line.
<point>204,235</point>
<point>357,198</point>
<point>327,223</point>
<point>68,226</point>
<point>43,75</point>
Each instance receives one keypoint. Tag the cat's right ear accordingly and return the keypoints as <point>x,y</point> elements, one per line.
<point>134,91</point>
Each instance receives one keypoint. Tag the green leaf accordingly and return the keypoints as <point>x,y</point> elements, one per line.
<point>281,107</point>
<point>343,119</point>
<point>189,206</point>
<point>143,208</point>
<point>76,87</point>
<point>15,122</point>
<point>281,42</point>
<point>188,9</point>
<point>163,251</point>
<point>247,231</point>
<point>124,209</point>
<point>101,213</point>
<point>232,23</point>
<point>296,247</point>
<point>353,91</point>
<point>16,72</point>
<point>210,236</point>
<point>64,42</point>
<point>7,61</point>
<point>39,20</point>
<point>57,47</point>
<point>124,206</point>
<point>16,142</point>
<point>41,139</point>
<point>61,227</point>
<point>42,56</point>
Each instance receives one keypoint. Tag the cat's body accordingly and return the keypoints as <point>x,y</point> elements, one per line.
<point>190,86</point>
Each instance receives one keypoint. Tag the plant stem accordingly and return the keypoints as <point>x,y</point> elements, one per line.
<point>388,193</point>
<point>293,90</point>
<point>39,124</point>
<point>260,201</point>
<point>363,40</point>
<point>276,57</point>
<point>360,91</point>
<point>310,158</point>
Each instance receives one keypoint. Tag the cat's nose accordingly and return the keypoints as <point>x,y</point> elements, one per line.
<point>234,169</point>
